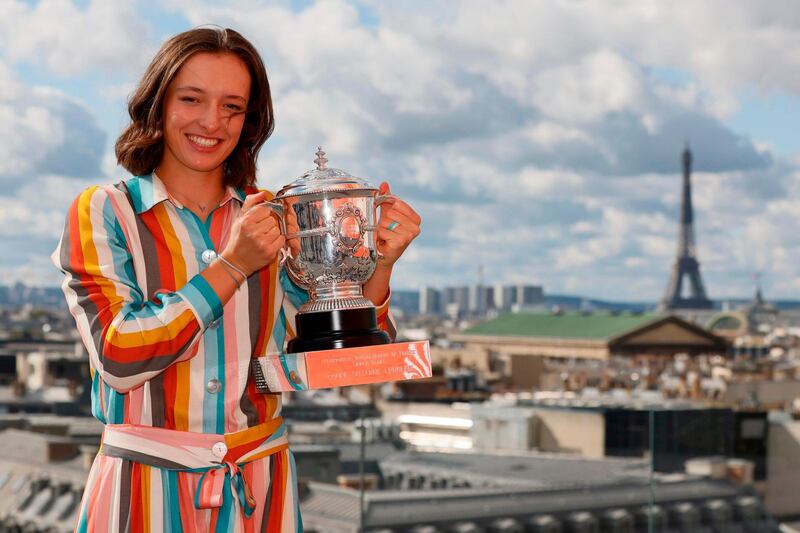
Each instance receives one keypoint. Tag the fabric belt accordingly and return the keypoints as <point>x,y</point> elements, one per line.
<point>218,457</point>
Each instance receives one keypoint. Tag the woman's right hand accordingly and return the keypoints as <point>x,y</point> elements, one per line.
<point>256,238</point>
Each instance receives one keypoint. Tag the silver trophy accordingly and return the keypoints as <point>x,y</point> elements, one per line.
<point>328,218</point>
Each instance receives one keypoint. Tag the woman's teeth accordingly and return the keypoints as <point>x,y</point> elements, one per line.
<point>203,141</point>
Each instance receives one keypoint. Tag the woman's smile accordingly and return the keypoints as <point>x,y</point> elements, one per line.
<point>203,144</point>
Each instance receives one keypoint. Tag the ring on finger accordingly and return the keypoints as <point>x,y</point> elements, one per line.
<point>392,225</point>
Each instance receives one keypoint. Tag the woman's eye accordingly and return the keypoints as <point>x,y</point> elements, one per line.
<point>190,99</point>
<point>234,107</point>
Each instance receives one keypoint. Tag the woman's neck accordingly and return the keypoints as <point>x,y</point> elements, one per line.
<point>194,189</point>
<point>200,187</point>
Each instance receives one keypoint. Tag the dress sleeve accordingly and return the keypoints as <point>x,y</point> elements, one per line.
<point>385,319</point>
<point>293,298</point>
<point>129,340</point>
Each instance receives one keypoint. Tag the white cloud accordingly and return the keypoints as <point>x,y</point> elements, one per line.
<point>51,148</point>
<point>550,135</point>
<point>44,131</point>
<point>599,83</point>
<point>69,40</point>
<point>28,134</point>
<point>37,208</point>
<point>31,220</point>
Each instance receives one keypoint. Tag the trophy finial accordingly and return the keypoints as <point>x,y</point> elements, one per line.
<point>320,160</point>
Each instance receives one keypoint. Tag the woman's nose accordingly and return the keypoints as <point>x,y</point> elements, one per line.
<point>211,118</point>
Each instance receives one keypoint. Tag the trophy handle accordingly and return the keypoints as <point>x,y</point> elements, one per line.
<point>277,208</point>
<point>379,201</point>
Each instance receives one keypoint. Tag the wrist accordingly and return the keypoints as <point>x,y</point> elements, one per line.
<point>383,266</point>
<point>233,261</point>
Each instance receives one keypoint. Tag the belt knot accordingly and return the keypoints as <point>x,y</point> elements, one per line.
<point>210,488</point>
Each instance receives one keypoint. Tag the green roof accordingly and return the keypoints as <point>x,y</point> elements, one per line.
<point>565,325</point>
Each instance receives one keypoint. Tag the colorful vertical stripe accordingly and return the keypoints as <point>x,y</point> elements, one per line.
<point>127,496</point>
<point>156,334</point>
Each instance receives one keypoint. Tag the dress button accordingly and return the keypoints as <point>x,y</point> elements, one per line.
<point>219,450</point>
<point>213,386</point>
<point>208,256</point>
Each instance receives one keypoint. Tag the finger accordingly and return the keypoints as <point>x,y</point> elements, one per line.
<point>257,215</point>
<point>271,247</point>
<point>255,230</point>
<point>294,243</point>
<point>390,251</point>
<point>398,216</point>
<point>384,188</point>
<point>253,199</point>
<point>407,210</point>
<point>275,246</point>
<point>399,240</point>
<point>400,229</point>
<point>272,231</point>
<point>392,236</point>
<point>265,236</point>
<point>392,212</point>
<point>397,220</point>
<point>258,212</point>
<point>266,211</point>
<point>406,233</point>
<point>259,222</point>
<point>267,239</point>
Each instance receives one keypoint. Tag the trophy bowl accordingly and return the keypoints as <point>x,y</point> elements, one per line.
<point>328,218</point>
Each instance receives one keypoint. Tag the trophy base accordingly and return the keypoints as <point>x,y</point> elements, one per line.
<point>341,328</point>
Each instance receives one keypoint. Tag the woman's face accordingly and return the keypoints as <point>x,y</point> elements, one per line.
<point>204,112</point>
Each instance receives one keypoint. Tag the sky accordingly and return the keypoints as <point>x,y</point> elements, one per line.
<point>539,140</point>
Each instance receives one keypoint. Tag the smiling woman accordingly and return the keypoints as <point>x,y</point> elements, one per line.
<point>174,80</point>
<point>202,124</point>
<point>173,279</point>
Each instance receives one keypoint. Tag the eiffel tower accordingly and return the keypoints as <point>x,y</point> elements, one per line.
<point>686,268</point>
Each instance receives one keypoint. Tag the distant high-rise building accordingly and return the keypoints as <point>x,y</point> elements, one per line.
<point>462,298</point>
<point>448,296</point>
<point>489,297</point>
<point>529,295</point>
<point>474,302</point>
<point>479,299</point>
<point>504,296</point>
<point>455,301</point>
<point>430,301</point>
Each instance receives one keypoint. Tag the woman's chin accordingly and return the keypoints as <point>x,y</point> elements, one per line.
<point>203,164</point>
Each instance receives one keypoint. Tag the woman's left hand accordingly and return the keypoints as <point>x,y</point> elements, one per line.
<point>397,226</point>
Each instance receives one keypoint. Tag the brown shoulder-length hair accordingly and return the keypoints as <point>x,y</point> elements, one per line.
<point>140,147</point>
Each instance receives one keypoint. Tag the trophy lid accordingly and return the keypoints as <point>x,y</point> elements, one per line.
<point>324,179</point>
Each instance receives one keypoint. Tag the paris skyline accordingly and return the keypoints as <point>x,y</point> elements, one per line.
<point>542,143</point>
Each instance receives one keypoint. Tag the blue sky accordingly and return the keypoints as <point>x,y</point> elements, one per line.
<point>541,142</point>
<point>768,115</point>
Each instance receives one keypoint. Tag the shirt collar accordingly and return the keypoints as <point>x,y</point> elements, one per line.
<point>148,190</point>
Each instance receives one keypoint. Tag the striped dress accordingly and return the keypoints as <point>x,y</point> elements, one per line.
<point>165,353</point>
